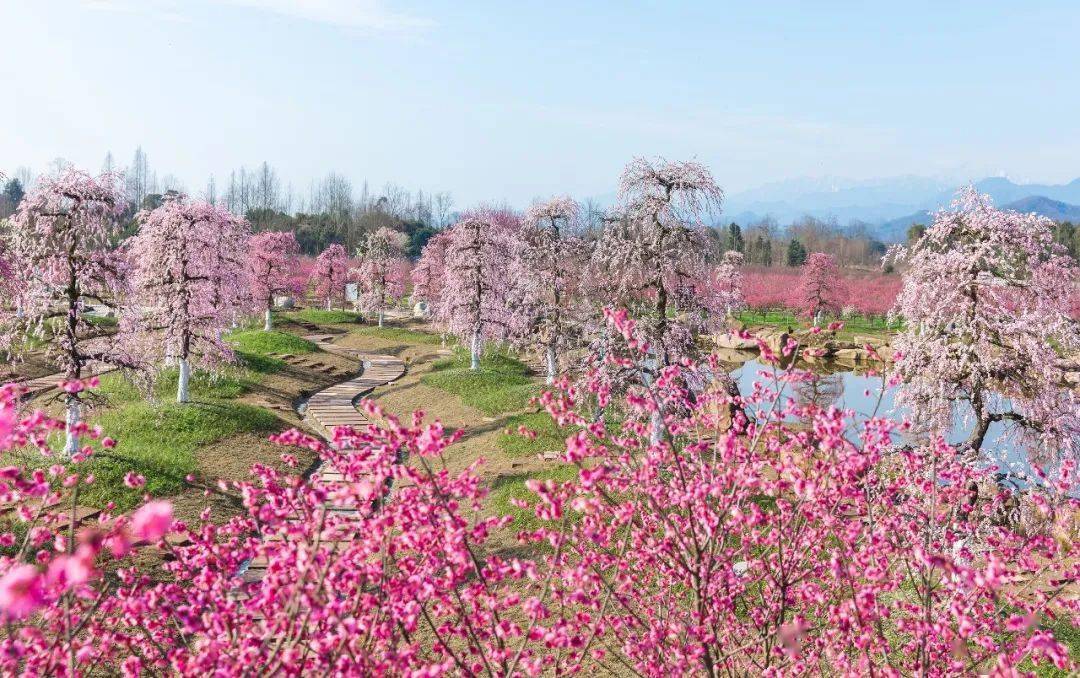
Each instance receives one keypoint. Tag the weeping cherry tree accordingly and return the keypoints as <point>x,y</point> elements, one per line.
<point>985,300</point>
<point>64,265</point>
<point>330,274</point>
<point>383,271</point>
<point>190,281</point>
<point>272,261</point>
<point>548,268</point>
<point>478,280</point>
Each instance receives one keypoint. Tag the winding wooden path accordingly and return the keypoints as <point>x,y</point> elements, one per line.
<point>336,406</point>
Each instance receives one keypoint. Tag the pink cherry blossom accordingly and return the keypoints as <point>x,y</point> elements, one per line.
<point>820,286</point>
<point>190,283</point>
<point>548,265</point>
<point>61,247</point>
<point>986,306</point>
<point>21,591</point>
<point>478,280</point>
<point>152,521</point>
<point>651,256</point>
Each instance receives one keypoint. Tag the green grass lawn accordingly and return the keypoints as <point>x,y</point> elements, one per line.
<point>402,334</point>
<point>853,325</point>
<point>159,441</point>
<point>255,347</point>
<point>507,488</point>
<point>261,342</point>
<point>158,438</point>
<point>321,316</point>
<point>548,435</point>
<point>502,384</point>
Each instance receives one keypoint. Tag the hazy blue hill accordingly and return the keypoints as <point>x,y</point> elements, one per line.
<point>1004,191</point>
<point>1055,209</point>
<point>895,230</point>
<point>890,205</point>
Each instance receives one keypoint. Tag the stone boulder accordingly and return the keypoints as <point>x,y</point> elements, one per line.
<point>734,342</point>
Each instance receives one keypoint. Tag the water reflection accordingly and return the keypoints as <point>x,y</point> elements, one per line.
<point>820,390</point>
<point>866,396</point>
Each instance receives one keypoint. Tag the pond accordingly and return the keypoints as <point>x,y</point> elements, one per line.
<point>846,389</point>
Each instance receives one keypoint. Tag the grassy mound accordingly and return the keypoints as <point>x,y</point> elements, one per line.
<point>159,441</point>
<point>159,438</point>
<point>320,316</point>
<point>502,384</point>
<point>508,488</point>
<point>254,348</point>
<point>548,435</point>
<point>405,336</point>
<point>260,342</point>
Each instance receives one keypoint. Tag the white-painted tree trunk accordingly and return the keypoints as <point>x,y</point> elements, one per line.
<point>656,420</point>
<point>183,393</point>
<point>74,412</point>
<point>328,304</point>
<point>552,365</point>
<point>380,317</point>
<point>474,363</point>
<point>817,319</point>
<point>268,321</point>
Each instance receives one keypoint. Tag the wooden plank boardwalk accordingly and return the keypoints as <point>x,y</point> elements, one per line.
<point>335,406</point>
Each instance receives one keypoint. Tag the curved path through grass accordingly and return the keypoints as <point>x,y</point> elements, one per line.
<point>335,406</point>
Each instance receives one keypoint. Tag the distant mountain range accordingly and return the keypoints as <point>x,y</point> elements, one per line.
<point>895,230</point>
<point>889,206</point>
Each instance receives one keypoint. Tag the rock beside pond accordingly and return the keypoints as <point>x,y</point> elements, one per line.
<point>854,356</point>
<point>735,342</point>
<point>863,340</point>
<point>735,356</point>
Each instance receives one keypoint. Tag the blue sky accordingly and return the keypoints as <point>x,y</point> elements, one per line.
<point>512,100</point>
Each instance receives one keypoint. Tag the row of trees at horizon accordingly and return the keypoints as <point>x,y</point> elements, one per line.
<point>332,210</point>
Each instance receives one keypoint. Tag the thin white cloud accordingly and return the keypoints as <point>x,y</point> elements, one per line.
<point>367,15</point>
<point>164,10</point>
<point>370,15</point>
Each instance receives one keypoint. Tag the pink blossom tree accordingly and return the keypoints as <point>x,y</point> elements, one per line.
<point>653,255</point>
<point>477,282</point>
<point>381,276</point>
<point>330,273</point>
<point>61,249</point>
<point>985,300</point>
<point>272,257</point>
<point>547,266</point>
<point>429,274</point>
<point>727,284</point>
<point>189,276</point>
<point>820,286</point>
